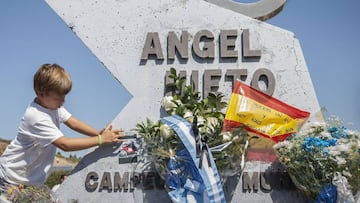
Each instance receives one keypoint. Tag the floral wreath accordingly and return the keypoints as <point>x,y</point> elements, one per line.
<point>162,143</point>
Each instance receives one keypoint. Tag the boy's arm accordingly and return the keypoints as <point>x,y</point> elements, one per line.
<point>75,144</point>
<point>81,127</point>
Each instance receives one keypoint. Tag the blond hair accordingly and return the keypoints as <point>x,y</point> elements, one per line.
<point>52,77</point>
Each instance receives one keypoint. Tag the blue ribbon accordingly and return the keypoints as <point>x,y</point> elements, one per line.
<point>209,175</point>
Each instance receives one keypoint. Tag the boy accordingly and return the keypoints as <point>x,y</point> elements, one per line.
<point>29,157</point>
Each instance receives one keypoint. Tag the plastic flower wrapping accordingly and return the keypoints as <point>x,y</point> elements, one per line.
<point>323,160</point>
<point>165,148</point>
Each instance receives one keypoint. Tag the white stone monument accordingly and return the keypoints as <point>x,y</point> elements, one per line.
<point>139,41</point>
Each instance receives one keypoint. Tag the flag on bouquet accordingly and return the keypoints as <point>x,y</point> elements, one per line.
<point>262,114</point>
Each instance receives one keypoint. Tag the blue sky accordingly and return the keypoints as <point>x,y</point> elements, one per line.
<point>32,34</point>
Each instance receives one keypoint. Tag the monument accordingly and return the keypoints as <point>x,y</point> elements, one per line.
<point>139,41</point>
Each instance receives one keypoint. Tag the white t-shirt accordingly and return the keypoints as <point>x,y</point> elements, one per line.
<point>29,157</point>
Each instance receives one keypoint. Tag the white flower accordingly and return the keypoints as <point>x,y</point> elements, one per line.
<point>284,143</point>
<point>333,151</point>
<point>200,124</point>
<point>325,134</point>
<point>226,136</point>
<point>165,131</point>
<point>344,147</point>
<point>353,133</point>
<point>347,173</point>
<point>211,124</point>
<point>200,120</point>
<point>309,128</point>
<point>167,103</point>
<point>189,116</point>
<point>341,160</point>
<point>318,124</point>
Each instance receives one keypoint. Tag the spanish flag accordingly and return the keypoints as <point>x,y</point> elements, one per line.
<point>262,114</point>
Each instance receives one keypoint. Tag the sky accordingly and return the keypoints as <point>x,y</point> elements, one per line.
<point>31,34</point>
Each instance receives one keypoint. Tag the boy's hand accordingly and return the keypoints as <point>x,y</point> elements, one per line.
<point>109,135</point>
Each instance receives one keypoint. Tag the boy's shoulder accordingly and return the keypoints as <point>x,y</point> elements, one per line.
<point>35,113</point>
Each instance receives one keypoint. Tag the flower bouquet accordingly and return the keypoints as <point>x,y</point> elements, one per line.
<point>30,194</point>
<point>323,160</point>
<point>164,146</point>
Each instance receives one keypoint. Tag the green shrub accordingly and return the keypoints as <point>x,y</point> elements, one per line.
<point>54,178</point>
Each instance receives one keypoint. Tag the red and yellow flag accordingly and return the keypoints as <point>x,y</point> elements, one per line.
<point>262,114</point>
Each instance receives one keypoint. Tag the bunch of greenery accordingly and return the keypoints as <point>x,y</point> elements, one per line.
<point>162,143</point>
<point>54,178</point>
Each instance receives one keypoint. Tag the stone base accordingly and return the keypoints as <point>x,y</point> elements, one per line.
<point>101,177</point>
